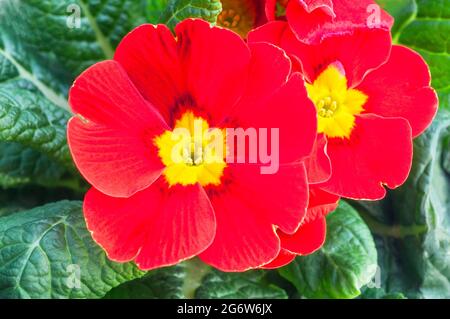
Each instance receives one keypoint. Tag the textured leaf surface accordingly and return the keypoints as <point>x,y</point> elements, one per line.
<point>44,251</point>
<point>164,283</point>
<point>170,12</point>
<point>248,285</point>
<point>346,262</point>
<point>428,32</point>
<point>412,224</point>
<point>48,45</point>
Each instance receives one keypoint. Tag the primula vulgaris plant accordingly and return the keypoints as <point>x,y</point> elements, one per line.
<point>227,133</point>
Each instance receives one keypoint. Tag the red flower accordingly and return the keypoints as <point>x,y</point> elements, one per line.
<point>144,206</point>
<point>312,232</point>
<point>242,16</point>
<point>372,99</point>
<point>311,20</point>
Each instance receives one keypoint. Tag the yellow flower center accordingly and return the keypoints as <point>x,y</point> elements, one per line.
<point>192,152</point>
<point>336,104</point>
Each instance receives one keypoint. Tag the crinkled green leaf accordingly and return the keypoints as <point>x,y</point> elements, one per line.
<point>346,262</point>
<point>43,40</point>
<point>170,12</point>
<point>33,121</point>
<point>413,237</point>
<point>44,251</point>
<point>33,147</point>
<point>428,32</point>
<point>165,283</point>
<point>247,285</point>
<point>42,50</point>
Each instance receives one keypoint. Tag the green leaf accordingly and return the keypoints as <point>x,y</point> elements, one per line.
<point>248,285</point>
<point>413,240</point>
<point>44,251</point>
<point>31,120</point>
<point>379,293</point>
<point>428,32</point>
<point>42,50</point>
<point>48,48</point>
<point>29,196</point>
<point>402,11</point>
<point>33,143</point>
<point>346,262</point>
<point>155,10</point>
<point>166,283</point>
<point>170,12</point>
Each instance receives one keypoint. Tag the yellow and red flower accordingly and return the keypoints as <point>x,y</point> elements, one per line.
<point>145,207</point>
<point>311,20</point>
<point>372,99</point>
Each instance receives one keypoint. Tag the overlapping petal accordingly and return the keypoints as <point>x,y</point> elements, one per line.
<point>156,227</point>
<point>312,20</point>
<point>312,232</point>
<point>359,51</point>
<point>113,131</point>
<point>378,153</point>
<point>248,239</point>
<point>401,88</point>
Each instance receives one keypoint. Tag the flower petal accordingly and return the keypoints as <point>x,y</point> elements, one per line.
<point>156,227</point>
<point>216,65</point>
<point>112,144</point>
<point>359,52</point>
<point>311,234</point>
<point>320,203</point>
<point>289,111</point>
<point>401,88</point>
<point>271,32</point>
<point>318,165</point>
<point>104,94</point>
<point>311,20</point>
<point>149,56</point>
<point>284,258</point>
<point>378,152</point>
<point>114,161</point>
<point>247,207</point>
<point>309,237</point>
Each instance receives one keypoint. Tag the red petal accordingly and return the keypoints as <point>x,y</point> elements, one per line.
<point>312,19</point>
<point>320,204</point>
<point>104,94</point>
<point>271,32</point>
<point>309,237</point>
<point>113,148</point>
<point>216,65</point>
<point>284,258</point>
<point>157,227</point>
<point>378,152</point>
<point>359,52</point>
<point>116,162</point>
<point>149,56</point>
<point>401,88</point>
<point>270,69</point>
<point>291,112</point>
<point>307,20</point>
<point>247,208</point>
<point>311,234</point>
<point>318,166</point>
